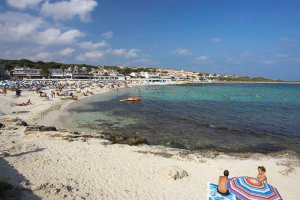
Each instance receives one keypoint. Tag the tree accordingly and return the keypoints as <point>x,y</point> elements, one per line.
<point>40,64</point>
<point>3,74</point>
<point>63,67</point>
<point>89,69</point>
<point>72,70</point>
<point>45,72</point>
<point>8,67</point>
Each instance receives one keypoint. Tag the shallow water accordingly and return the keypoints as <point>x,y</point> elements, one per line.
<point>226,117</point>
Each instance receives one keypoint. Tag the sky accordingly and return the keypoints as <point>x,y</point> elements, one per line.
<point>249,37</point>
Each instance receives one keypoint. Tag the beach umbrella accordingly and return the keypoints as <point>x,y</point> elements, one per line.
<point>248,188</point>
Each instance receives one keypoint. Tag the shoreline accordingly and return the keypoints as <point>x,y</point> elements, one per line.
<point>243,82</point>
<point>57,117</point>
<point>60,164</point>
<point>58,112</point>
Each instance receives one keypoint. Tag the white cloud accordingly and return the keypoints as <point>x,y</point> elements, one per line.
<point>289,40</point>
<point>15,26</point>
<point>91,45</point>
<point>65,10</point>
<point>22,4</point>
<point>107,35</point>
<point>202,58</point>
<point>282,55</point>
<point>132,53</point>
<point>182,52</point>
<point>66,51</point>
<point>216,40</point>
<point>91,55</point>
<point>44,56</point>
<point>54,36</point>
<point>268,62</point>
<point>140,62</point>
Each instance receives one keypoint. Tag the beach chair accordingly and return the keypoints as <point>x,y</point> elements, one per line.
<point>212,193</point>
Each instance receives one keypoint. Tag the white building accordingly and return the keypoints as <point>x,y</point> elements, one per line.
<point>26,73</point>
<point>59,73</point>
<point>105,72</point>
<point>81,73</point>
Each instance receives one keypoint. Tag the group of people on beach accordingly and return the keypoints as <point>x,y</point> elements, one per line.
<point>222,185</point>
<point>65,89</point>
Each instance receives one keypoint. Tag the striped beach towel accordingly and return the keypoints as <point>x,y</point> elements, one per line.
<point>212,193</point>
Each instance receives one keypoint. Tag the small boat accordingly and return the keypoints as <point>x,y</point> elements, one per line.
<point>131,99</point>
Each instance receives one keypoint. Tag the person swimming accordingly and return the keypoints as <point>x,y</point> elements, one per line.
<point>135,98</point>
<point>222,189</point>
<point>262,174</point>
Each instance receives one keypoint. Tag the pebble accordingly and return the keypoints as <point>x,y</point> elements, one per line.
<point>55,191</point>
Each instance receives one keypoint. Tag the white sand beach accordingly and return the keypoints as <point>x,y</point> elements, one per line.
<point>58,165</point>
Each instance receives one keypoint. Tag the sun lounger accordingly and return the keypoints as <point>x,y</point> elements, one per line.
<point>212,193</point>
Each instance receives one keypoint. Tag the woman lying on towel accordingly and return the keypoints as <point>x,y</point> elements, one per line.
<point>59,94</point>
<point>43,94</point>
<point>25,104</point>
<point>75,98</point>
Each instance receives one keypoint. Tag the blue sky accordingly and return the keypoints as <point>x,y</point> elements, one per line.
<point>249,37</point>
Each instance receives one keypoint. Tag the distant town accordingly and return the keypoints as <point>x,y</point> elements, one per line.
<point>30,70</point>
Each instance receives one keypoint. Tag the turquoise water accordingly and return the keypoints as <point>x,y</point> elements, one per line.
<point>226,117</point>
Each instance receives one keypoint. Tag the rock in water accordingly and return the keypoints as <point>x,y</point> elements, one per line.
<point>4,154</point>
<point>176,173</point>
<point>33,128</point>
<point>48,128</point>
<point>41,128</point>
<point>136,140</point>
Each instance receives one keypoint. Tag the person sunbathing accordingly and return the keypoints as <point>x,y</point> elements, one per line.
<point>222,189</point>
<point>26,104</point>
<point>89,92</point>
<point>262,174</point>
<point>75,98</point>
<point>43,94</point>
<point>59,94</point>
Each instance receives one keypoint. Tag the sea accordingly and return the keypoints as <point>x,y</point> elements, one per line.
<point>229,117</point>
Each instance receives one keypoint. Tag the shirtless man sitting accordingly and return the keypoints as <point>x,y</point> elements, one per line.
<point>222,189</point>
